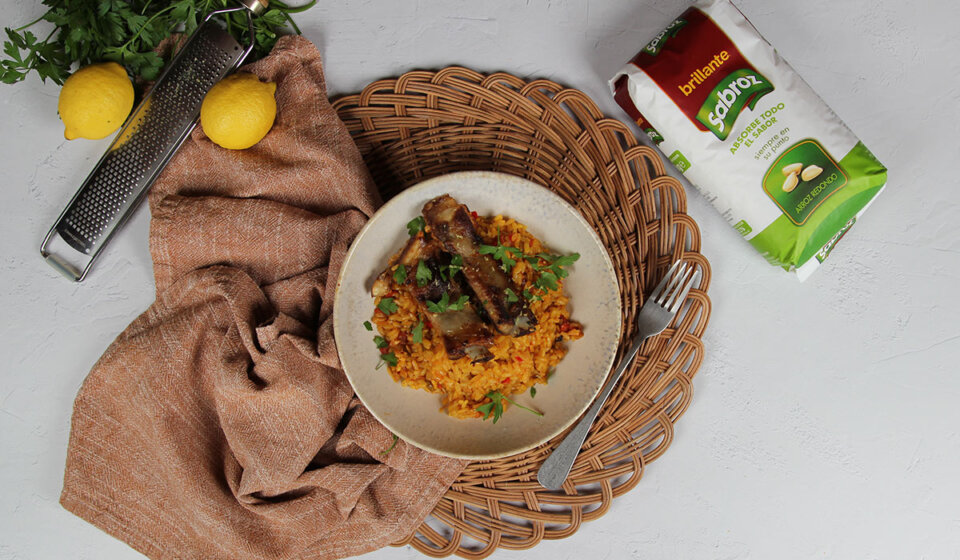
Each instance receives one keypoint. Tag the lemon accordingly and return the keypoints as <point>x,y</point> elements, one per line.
<point>238,111</point>
<point>95,100</point>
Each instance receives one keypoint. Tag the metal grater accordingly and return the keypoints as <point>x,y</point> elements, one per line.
<point>144,145</point>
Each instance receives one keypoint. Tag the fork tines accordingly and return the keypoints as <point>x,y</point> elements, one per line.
<point>671,292</point>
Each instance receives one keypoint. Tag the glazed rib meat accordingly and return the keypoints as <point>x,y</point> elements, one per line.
<point>464,332</point>
<point>453,229</point>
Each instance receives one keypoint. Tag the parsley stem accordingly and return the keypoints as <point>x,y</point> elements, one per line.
<point>396,438</point>
<point>36,21</point>
<point>145,25</point>
<point>52,31</point>
<point>294,9</point>
<point>515,403</point>
<point>292,23</point>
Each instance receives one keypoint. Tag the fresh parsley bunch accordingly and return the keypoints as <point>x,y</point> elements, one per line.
<point>126,32</point>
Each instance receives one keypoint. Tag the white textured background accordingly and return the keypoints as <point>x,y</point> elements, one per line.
<point>826,418</point>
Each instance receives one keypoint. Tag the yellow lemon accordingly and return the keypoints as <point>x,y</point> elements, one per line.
<point>239,111</point>
<point>95,100</point>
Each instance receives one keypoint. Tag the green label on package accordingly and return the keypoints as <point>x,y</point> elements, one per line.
<point>678,160</point>
<point>802,178</point>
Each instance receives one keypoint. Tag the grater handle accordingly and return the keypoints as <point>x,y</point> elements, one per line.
<point>63,267</point>
<point>69,270</point>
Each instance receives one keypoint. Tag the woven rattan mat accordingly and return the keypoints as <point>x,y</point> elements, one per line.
<point>425,124</point>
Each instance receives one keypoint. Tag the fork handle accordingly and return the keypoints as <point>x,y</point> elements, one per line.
<point>555,469</point>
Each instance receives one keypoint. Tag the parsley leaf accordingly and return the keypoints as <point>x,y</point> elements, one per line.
<point>447,271</point>
<point>486,409</point>
<point>387,305</point>
<point>367,325</point>
<point>553,270</point>
<point>565,260</point>
<point>533,392</point>
<point>511,296</point>
<point>530,296</point>
<point>456,265</point>
<point>424,275</point>
<point>440,306</point>
<point>416,225</point>
<point>400,274</point>
<point>459,304</point>
<point>417,332</point>
<point>389,358</point>
<point>547,281</point>
<point>502,253</point>
<point>495,406</point>
<point>443,304</point>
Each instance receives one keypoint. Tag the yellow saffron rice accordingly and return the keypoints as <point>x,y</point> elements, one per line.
<point>518,363</point>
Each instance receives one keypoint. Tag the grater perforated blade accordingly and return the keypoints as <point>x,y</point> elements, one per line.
<point>144,145</point>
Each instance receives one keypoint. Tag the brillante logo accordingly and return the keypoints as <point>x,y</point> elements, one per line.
<point>741,88</point>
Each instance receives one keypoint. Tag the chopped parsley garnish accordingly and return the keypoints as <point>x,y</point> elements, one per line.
<point>456,265</point>
<point>533,392</point>
<point>530,296</point>
<point>556,262</point>
<point>415,225</point>
<point>552,271</point>
<point>495,406</point>
<point>389,358</point>
<point>389,449</point>
<point>444,305</point>
<point>417,332</point>
<point>424,274</point>
<point>367,325</point>
<point>511,296</point>
<point>502,253</point>
<point>447,271</point>
<point>459,304</point>
<point>400,274</point>
<point>547,281</point>
<point>387,305</point>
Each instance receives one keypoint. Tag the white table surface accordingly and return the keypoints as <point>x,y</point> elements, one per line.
<point>826,415</point>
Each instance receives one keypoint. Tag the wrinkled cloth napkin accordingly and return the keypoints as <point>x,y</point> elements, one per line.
<point>219,423</point>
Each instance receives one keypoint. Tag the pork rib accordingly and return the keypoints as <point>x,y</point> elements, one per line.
<point>464,333</point>
<point>451,226</point>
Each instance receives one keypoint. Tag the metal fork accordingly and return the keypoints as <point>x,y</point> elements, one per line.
<point>655,315</point>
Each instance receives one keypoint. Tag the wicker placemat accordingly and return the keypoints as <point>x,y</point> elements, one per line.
<point>425,124</point>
